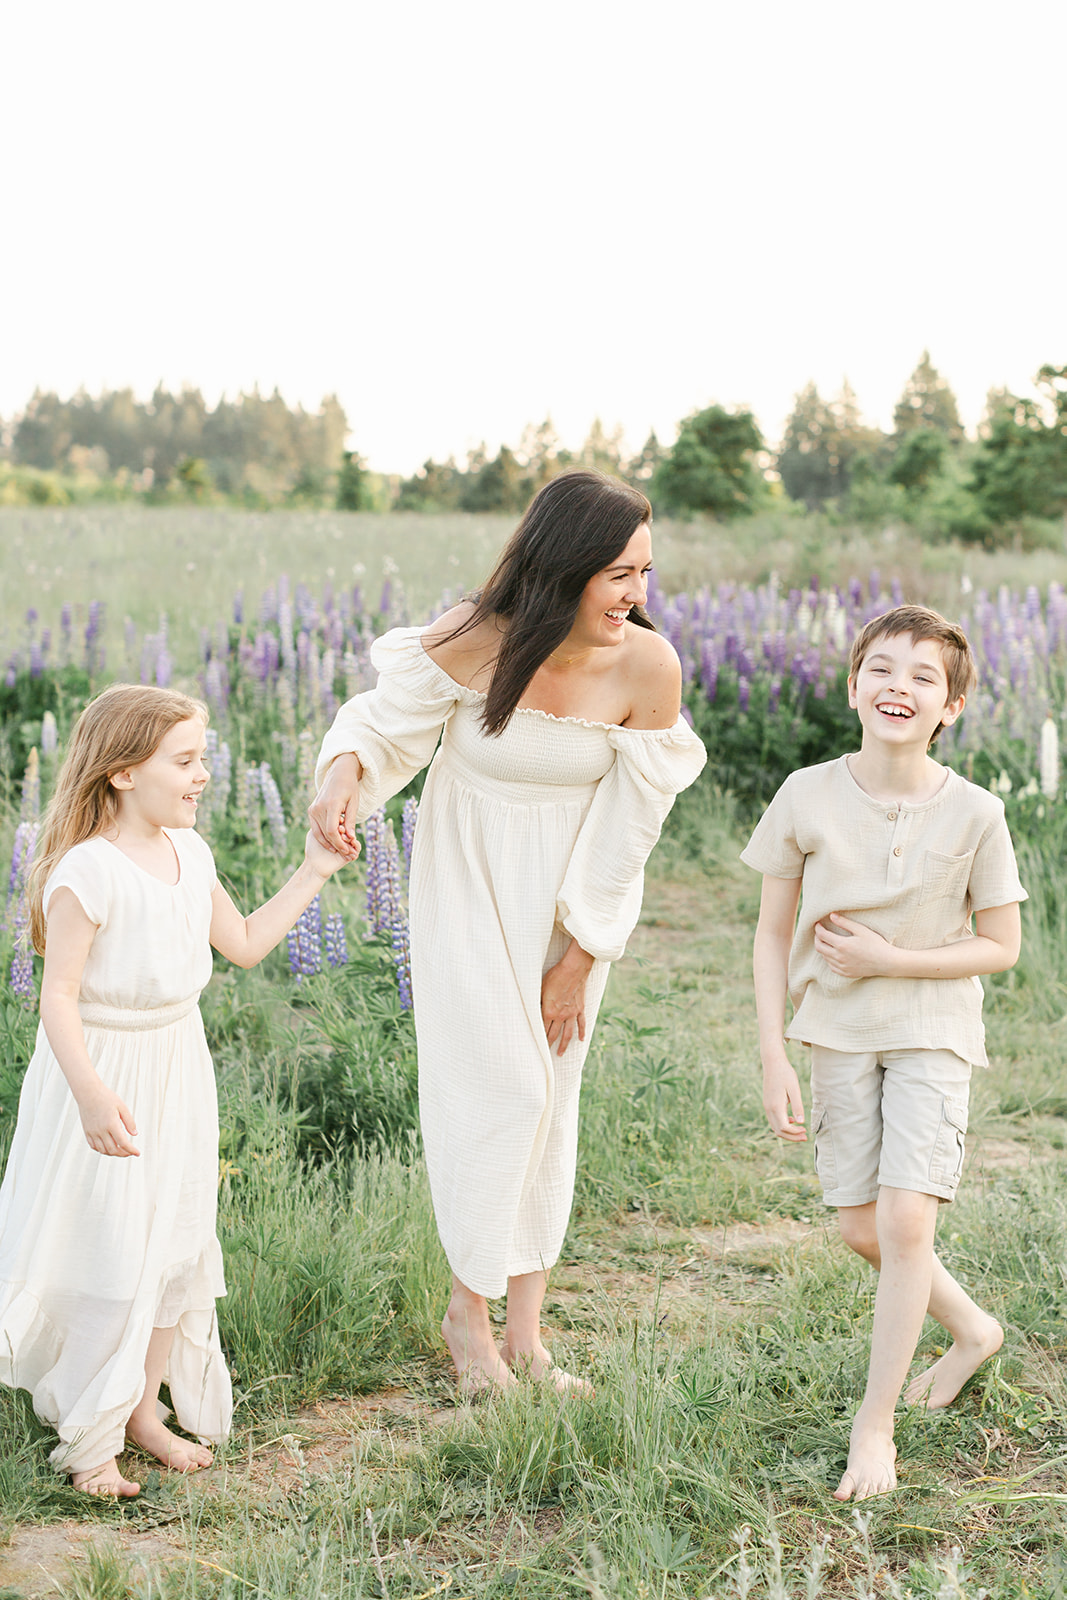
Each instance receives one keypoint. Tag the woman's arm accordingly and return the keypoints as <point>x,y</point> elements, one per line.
<point>563,996</point>
<point>336,801</point>
<point>770,975</point>
<point>106,1120</point>
<point>246,940</point>
<point>654,681</point>
<point>859,952</point>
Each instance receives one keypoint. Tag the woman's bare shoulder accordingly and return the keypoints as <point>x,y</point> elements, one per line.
<point>464,656</point>
<point>654,674</point>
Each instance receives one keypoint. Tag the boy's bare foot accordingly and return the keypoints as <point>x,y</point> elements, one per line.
<point>538,1364</point>
<point>106,1479</point>
<point>180,1455</point>
<point>476,1358</point>
<point>871,1464</point>
<point>939,1385</point>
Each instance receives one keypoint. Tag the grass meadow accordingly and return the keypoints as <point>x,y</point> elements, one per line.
<point>702,1287</point>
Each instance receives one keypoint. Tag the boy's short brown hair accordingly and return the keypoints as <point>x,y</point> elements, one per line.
<point>920,622</point>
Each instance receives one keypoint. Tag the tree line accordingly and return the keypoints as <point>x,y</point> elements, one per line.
<point>256,450</point>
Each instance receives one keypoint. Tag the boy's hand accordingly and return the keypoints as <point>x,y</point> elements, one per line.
<point>856,952</point>
<point>783,1104</point>
<point>325,862</point>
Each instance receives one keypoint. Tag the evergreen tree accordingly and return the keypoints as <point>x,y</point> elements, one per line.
<point>927,402</point>
<point>712,467</point>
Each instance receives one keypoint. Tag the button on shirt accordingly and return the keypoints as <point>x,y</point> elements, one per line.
<point>915,874</point>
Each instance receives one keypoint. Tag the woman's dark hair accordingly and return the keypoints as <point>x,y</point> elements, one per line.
<point>573,528</point>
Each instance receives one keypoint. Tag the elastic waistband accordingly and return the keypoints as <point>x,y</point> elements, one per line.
<point>117,1018</point>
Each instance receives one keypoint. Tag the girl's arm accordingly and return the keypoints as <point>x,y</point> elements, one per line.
<point>246,940</point>
<point>858,952</point>
<point>770,972</point>
<point>337,802</point>
<point>106,1120</point>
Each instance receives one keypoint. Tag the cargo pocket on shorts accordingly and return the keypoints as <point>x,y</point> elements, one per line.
<point>822,1134</point>
<point>946,1164</point>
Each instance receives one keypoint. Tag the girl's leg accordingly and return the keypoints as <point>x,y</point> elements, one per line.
<point>975,1334</point>
<point>469,1336</point>
<point>144,1427</point>
<point>523,1349</point>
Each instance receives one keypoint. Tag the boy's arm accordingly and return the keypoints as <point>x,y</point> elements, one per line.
<point>770,971</point>
<point>858,952</point>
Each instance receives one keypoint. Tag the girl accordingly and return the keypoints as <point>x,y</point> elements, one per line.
<point>109,1262</point>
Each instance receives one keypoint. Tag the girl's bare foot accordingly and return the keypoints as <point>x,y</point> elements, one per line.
<point>939,1385</point>
<point>475,1356</point>
<point>180,1455</point>
<point>871,1464</point>
<point>106,1479</point>
<point>538,1364</point>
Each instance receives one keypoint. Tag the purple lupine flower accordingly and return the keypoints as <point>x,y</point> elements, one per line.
<point>333,937</point>
<point>272,805</point>
<point>407,829</point>
<point>94,653</point>
<point>239,608</point>
<point>305,942</point>
<point>30,806</point>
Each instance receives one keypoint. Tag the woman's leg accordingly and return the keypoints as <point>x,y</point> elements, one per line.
<point>144,1427</point>
<point>469,1336</point>
<point>523,1349</point>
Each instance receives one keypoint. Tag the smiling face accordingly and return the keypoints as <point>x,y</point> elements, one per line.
<point>610,595</point>
<point>162,792</point>
<point>901,691</point>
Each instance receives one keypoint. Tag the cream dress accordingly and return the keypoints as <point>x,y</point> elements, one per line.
<point>96,1251</point>
<point>523,841</point>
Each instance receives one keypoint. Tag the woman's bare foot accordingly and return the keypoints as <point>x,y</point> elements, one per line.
<point>479,1369</point>
<point>180,1455</point>
<point>939,1385</point>
<point>538,1364</point>
<point>871,1464</point>
<point>106,1479</point>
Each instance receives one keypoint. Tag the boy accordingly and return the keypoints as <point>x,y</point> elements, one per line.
<point>894,853</point>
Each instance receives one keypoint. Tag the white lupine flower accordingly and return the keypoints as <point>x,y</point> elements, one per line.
<point>1050,758</point>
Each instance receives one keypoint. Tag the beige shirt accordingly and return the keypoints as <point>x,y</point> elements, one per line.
<point>914,874</point>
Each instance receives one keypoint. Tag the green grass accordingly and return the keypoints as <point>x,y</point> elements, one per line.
<point>703,1290</point>
<point>190,562</point>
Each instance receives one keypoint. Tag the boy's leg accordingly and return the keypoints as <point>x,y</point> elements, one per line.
<point>975,1334</point>
<point>905,1223</point>
<point>146,1429</point>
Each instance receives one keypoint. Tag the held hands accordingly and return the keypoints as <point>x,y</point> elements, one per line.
<point>107,1122</point>
<point>325,862</point>
<point>856,952</point>
<point>336,801</point>
<point>782,1102</point>
<point>563,999</point>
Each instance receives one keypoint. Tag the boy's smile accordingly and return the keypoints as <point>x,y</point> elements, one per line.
<point>901,691</point>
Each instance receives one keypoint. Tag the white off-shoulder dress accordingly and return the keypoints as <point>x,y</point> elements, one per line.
<point>96,1251</point>
<point>524,840</point>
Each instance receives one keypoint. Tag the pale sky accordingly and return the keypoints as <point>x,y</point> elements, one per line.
<point>464,216</point>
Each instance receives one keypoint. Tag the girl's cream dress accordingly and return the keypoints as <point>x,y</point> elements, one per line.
<point>96,1251</point>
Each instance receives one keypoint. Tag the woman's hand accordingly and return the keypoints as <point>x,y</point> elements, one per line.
<point>322,861</point>
<point>563,997</point>
<point>335,803</point>
<point>857,951</point>
<point>107,1121</point>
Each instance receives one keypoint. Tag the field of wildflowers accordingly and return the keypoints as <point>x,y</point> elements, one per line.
<point>698,1287</point>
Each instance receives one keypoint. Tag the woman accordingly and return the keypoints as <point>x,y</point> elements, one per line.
<point>561,754</point>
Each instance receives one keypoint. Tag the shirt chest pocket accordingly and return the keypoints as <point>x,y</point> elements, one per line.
<point>945,877</point>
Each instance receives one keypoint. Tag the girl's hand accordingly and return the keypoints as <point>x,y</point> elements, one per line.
<point>563,1000</point>
<point>107,1122</point>
<point>856,952</point>
<point>335,803</point>
<point>322,861</point>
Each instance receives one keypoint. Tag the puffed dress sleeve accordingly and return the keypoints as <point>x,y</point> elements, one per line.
<point>600,898</point>
<point>394,727</point>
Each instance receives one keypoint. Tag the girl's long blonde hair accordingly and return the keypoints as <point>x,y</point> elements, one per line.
<point>120,728</point>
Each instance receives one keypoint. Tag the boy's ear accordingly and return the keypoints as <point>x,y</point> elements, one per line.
<point>952,710</point>
<point>852,692</point>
